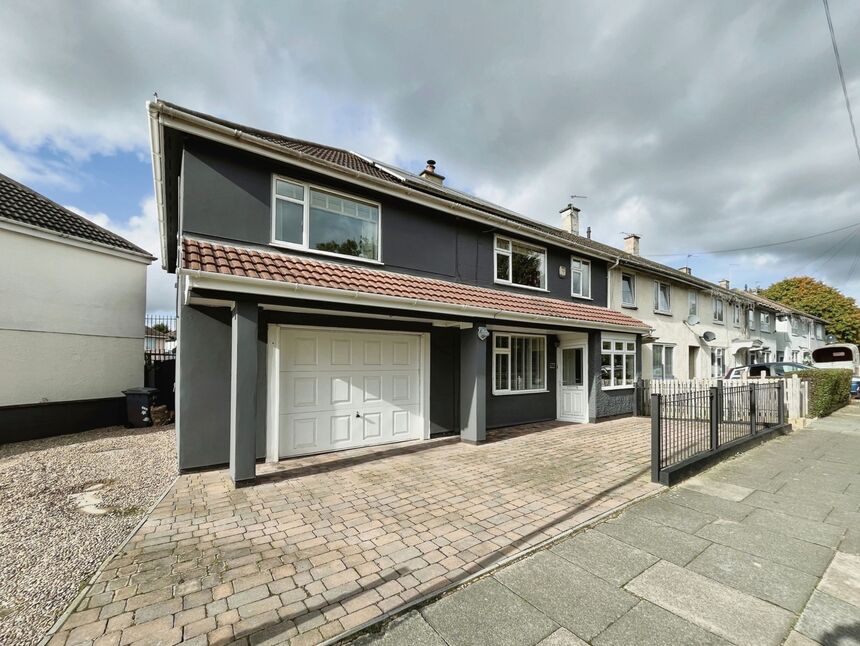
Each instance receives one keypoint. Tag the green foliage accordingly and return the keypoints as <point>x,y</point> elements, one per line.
<point>816,298</point>
<point>829,390</point>
<point>161,327</point>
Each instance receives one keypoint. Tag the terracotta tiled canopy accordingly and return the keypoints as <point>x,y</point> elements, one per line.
<point>278,267</point>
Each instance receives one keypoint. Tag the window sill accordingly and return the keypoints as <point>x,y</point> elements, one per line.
<point>630,387</point>
<point>318,252</point>
<point>534,289</point>
<point>629,307</point>
<point>519,392</point>
<point>718,322</point>
<point>582,298</point>
<point>662,313</point>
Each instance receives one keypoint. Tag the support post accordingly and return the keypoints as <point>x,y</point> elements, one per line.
<point>243,393</point>
<point>656,436</point>
<point>715,417</point>
<point>473,386</point>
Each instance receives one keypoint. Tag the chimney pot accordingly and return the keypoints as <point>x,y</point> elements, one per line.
<point>430,173</point>
<point>631,244</point>
<point>724,283</point>
<point>570,219</point>
<point>588,233</point>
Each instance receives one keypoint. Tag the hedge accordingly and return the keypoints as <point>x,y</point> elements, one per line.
<point>829,390</point>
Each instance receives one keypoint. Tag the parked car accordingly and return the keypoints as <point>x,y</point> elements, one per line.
<point>776,369</point>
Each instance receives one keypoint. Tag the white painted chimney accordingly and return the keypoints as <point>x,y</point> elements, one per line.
<point>686,270</point>
<point>631,244</point>
<point>430,173</point>
<point>570,219</point>
<point>724,283</point>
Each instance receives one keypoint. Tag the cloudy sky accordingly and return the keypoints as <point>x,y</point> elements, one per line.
<point>700,125</point>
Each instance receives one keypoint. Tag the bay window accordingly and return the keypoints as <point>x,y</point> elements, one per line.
<point>580,278</point>
<point>519,363</point>
<point>661,365</point>
<point>617,362</point>
<point>317,220</point>
<point>520,264</point>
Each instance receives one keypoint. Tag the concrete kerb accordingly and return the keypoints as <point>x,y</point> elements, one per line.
<point>58,624</point>
<point>430,597</point>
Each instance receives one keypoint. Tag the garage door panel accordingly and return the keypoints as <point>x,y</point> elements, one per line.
<point>344,389</point>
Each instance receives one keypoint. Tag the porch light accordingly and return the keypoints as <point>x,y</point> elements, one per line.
<point>483,333</point>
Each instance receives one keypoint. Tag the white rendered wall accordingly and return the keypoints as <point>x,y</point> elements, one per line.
<point>71,321</point>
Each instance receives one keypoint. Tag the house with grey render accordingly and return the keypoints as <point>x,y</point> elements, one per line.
<point>328,301</point>
<point>72,304</point>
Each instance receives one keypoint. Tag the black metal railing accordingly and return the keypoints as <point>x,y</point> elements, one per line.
<point>159,338</point>
<point>692,425</point>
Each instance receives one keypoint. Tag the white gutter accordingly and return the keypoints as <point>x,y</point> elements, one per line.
<point>263,287</point>
<point>156,145</point>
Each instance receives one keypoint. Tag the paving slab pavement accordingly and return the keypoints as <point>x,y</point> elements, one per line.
<point>761,549</point>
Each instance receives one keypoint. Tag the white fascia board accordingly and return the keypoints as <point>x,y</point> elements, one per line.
<point>62,238</point>
<point>156,146</point>
<point>263,287</point>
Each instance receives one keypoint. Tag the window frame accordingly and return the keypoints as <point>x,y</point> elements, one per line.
<point>657,285</point>
<point>764,322</point>
<point>692,302</point>
<point>306,213</point>
<point>722,319</point>
<point>626,353</point>
<point>720,356</point>
<point>632,289</point>
<point>507,352</point>
<point>664,349</point>
<point>511,241</point>
<point>751,319</point>
<point>581,261</point>
<point>736,314</point>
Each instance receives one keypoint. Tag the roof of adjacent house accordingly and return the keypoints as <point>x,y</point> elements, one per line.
<point>23,205</point>
<point>247,262</point>
<point>779,307</point>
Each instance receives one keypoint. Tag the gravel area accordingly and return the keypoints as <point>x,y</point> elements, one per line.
<point>65,504</point>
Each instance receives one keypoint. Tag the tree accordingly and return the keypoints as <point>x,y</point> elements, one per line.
<point>161,327</point>
<point>814,297</point>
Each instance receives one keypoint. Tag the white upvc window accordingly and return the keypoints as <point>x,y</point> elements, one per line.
<point>795,356</point>
<point>693,303</point>
<point>718,309</point>
<point>662,297</point>
<point>324,221</point>
<point>618,362</point>
<point>751,319</point>
<point>519,363</point>
<point>718,366</point>
<point>580,277</point>
<point>661,364</point>
<point>628,290</point>
<point>819,331</point>
<point>520,264</point>
<point>795,325</point>
<point>736,315</point>
<point>765,321</point>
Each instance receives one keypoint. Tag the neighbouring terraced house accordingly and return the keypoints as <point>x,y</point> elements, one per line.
<point>329,301</point>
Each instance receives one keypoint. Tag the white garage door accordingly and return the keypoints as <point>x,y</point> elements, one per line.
<point>341,389</point>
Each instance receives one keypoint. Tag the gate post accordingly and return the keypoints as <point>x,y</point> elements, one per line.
<point>753,413</point>
<point>656,436</point>
<point>780,396</point>
<point>715,417</point>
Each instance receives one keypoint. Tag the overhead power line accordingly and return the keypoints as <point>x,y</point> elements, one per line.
<point>758,246</point>
<point>841,77</point>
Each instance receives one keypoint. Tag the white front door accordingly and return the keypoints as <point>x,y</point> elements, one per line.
<point>342,389</point>
<point>572,383</point>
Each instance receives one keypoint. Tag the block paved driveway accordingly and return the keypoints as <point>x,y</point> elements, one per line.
<point>324,544</point>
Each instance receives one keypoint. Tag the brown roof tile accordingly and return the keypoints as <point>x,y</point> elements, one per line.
<point>279,267</point>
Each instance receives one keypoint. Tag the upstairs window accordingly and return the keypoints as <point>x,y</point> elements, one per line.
<point>662,298</point>
<point>718,309</point>
<point>765,321</point>
<point>693,303</point>
<point>751,319</point>
<point>736,315</point>
<point>795,325</point>
<point>580,278</point>
<point>323,221</point>
<point>819,331</point>
<point>628,290</point>
<point>520,264</point>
